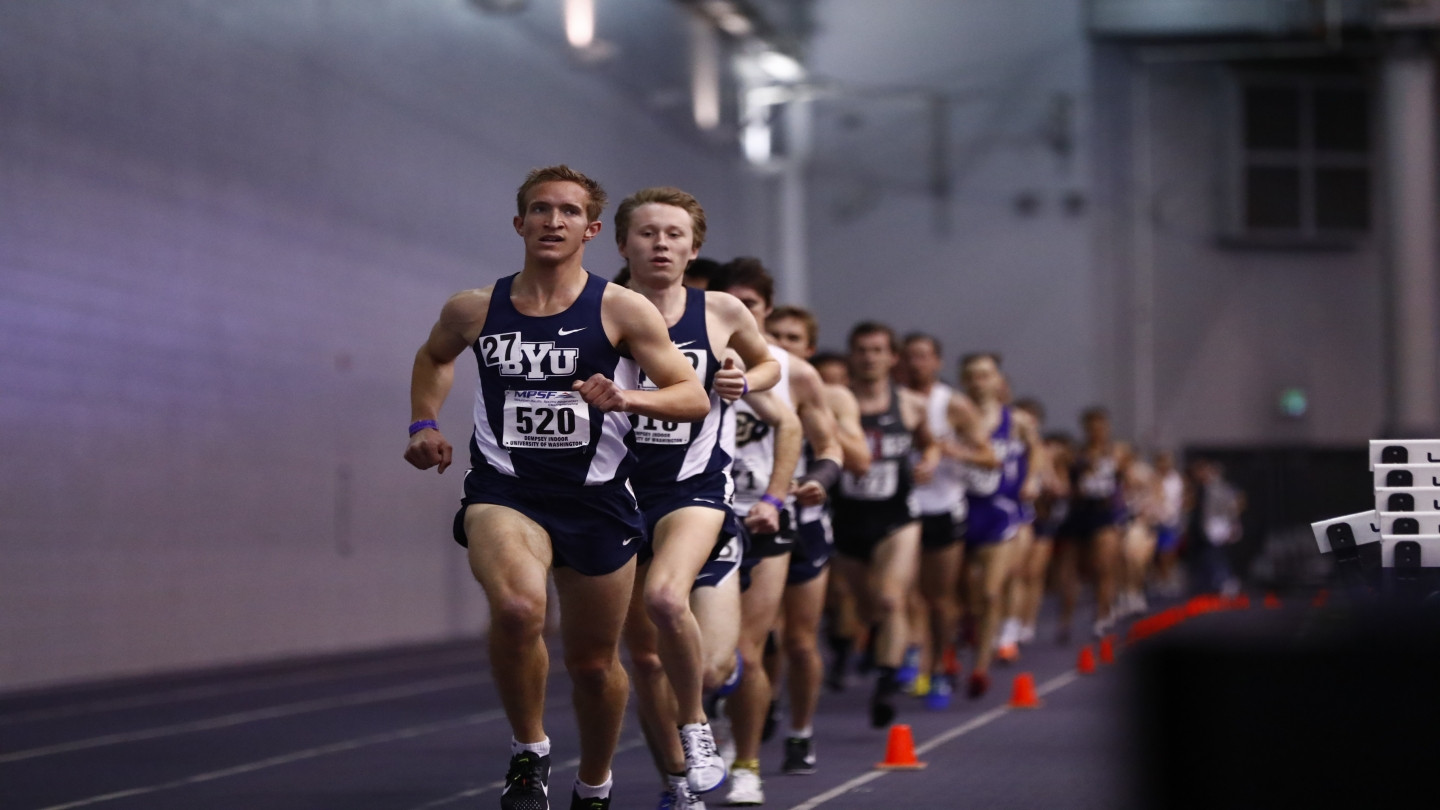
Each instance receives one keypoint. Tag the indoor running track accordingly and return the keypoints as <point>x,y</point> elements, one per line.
<point>422,728</point>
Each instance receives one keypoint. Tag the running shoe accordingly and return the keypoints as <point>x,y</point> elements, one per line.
<point>1027,633</point>
<point>745,788</point>
<point>920,687</point>
<point>724,740</point>
<point>979,684</point>
<point>799,755</point>
<point>704,768</point>
<point>678,797</point>
<point>577,803</point>
<point>938,698</point>
<point>527,783</point>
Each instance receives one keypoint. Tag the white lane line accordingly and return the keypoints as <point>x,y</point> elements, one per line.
<point>994,714</point>
<point>323,672</point>
<point>634,742</point>
<point>255,715</point>
<point>295,756</point>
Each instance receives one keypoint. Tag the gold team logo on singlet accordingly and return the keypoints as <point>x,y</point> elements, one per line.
<point>749,428</point>
<point>539,360</point>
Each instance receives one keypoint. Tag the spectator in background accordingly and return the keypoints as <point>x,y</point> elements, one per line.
<point>1213,524</point>
<point>1168,582</point>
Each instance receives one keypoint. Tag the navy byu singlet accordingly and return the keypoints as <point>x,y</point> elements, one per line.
<point>676,451</point>
<point>529,424</point>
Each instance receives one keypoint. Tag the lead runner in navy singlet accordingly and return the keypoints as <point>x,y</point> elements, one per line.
<point>682,483</point>
<point>550,453</point>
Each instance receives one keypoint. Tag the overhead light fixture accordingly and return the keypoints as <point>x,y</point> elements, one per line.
<point>755,140</point>
<point>704,73</point>
<point>779,66</point>
<point>580,23</point>
<point>728,17</point>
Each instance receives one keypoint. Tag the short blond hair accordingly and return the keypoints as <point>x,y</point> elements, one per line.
<point>663,195</point>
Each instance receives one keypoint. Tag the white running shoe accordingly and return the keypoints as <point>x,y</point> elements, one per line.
<point>1009,634</point>
<point>745,788</point>
<point>704,769</point>
<point>1027,634</point>
<point>724,740</point>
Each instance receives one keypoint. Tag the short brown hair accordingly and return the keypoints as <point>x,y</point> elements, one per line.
<point>804,316</point>
<point>916,337</point>
<point>975,357</point>
<point>747,271</point>
<point>563,173</point>
<point>663,195</point>
<point>873,328</point>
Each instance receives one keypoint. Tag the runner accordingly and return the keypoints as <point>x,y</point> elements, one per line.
<point>768,558</point>
<point>994,497</point>
<point>796,330</point>
<point>681,481</point>
<point>1026,587</point>
<point>550,454</point>
<point>876,534</point>
<point>1092,527</point>
<point>955,423</point>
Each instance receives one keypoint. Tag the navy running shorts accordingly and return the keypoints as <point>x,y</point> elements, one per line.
<point>814,545</point>
<point>595,530</point>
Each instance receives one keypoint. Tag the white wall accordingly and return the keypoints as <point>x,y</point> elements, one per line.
<point>225,235</point>
<point>1234,326</point>
<point>972,270</point>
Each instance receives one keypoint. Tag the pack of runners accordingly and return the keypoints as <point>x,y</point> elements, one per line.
<point>671,447</point>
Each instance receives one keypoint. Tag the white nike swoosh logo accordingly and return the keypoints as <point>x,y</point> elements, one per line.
<point>703,576</point>
<point>683,345</point>
<point>629,540</point>
<point>564,332</point>
<point>703,500</point>
<point>780,541</point>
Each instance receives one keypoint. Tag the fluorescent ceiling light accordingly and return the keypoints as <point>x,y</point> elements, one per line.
<point>580,22</point>
<point>780,67</point>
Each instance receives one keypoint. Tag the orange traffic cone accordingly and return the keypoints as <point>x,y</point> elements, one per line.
<point>1022,694</point>
<point>900,751</point>
<point>1272,602</point>
<point>1107,650</point>
<point>1086,664</point>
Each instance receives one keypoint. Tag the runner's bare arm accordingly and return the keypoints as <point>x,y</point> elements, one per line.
<point>1034,472</point>
<point>848,431</point>
<point>461,320</point>
<point>807,390</point>
<point>912,409</point>
<point>764,518</point>
<point>635,323</point>
<point>762,371</point>
<point>971,446</point>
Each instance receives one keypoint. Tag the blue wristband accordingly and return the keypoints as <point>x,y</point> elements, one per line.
<point>745,381</point>
<point>423,424</point>
<point>773,501</point>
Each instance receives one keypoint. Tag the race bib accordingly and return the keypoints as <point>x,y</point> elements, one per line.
<point>546,420</point>
<point>882,481</point>
<point>649,430</point>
